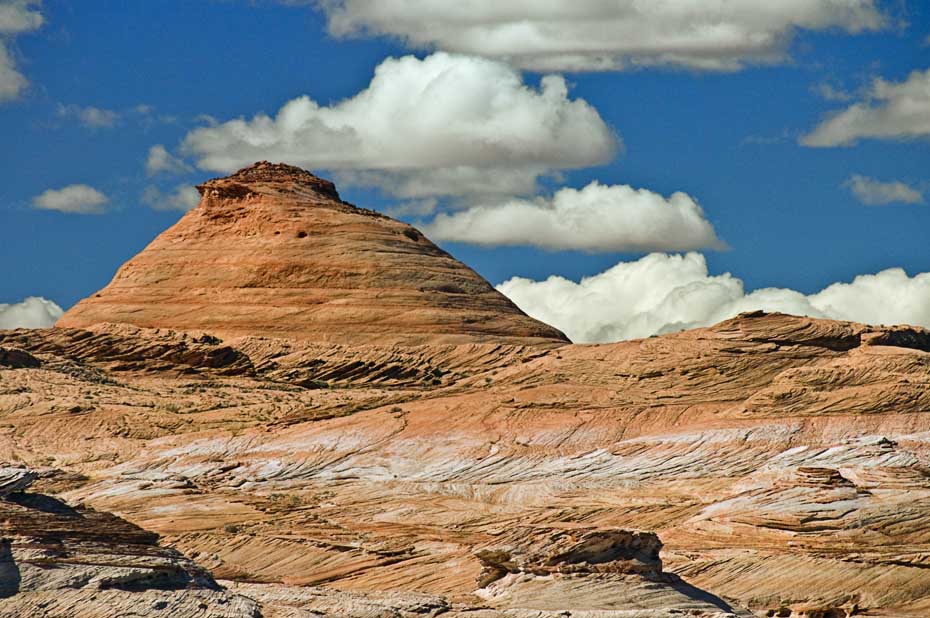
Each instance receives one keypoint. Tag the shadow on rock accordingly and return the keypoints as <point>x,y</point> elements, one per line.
<point>696,593</point>
<point>9,571</point>
<point>43,503</point>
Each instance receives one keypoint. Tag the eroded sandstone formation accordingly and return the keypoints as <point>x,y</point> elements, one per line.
<point>483,468</point>
<point>272,250</point>
<point>58,561</point>
<point>783,462</point>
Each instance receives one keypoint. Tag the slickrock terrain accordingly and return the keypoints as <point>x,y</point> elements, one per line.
<point>770,464</point>
<point>273,250</point>
<point>62,562</point>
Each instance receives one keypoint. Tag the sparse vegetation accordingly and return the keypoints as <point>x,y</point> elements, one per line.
<point>286,500</point>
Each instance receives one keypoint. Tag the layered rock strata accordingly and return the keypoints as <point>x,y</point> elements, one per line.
<point>58,561</point>
<point>783,461</point>
<point>272,250</point>
<point>328,428</point>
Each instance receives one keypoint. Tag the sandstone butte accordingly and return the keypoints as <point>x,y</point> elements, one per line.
<point>272,250</point>
<point>166,460</point>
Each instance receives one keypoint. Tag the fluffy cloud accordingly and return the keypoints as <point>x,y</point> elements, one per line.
<point>16,17</point>
<point>76,199</point>
<point>34,312</point>
<point>596,35</point>
<point>443,125</point>
<point>160,160</point>
<point>890,111</point>
<point>90,117</point>
<point>663,293</point>
<point>182,197</point>
<point>875,192</point>
<point>595,218</point>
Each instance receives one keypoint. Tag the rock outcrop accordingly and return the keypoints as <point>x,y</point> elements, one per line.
<point>272,250</point>
<point>121,347</point>
<point>569,549</point>
<point>58,561</point>
<point>17,359</point>
<point>580,569</point>
<point>14,479</point>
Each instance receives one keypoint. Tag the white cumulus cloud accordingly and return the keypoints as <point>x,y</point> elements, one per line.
<point>160,160</point>
<point>890,111</point>
<point>16,17</point>
<point>663,293</point>
<point>595,35</point>
<point>182,197</point>
<point>596,218</point>
<point>33,312</point>
<point>876,193</point>
<point>77,199</point>
<point>442,125</point>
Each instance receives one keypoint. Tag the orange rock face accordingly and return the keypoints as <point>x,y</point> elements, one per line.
<point>783,462</point>
<point>272,250</point>
<point>770,465</point>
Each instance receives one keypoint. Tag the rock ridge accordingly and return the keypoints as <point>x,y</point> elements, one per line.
<point>268,177</point>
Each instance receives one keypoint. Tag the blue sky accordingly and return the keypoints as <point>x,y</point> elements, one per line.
<point>729,139</point>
